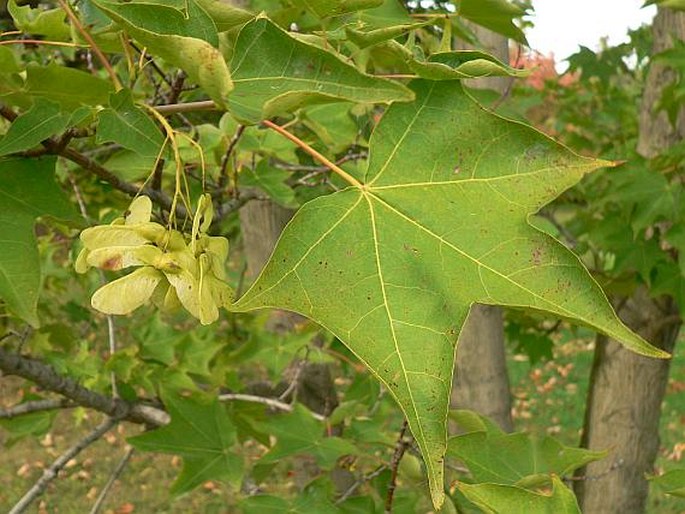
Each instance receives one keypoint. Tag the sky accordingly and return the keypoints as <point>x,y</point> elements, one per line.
<point>562,25</point>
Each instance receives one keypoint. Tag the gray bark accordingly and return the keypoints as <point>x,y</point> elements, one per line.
<point>480,381</point>
<point>626,390</point>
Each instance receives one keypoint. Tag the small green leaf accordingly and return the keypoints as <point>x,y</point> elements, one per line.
<point>326,8</point>
<point>270,180</point>
<point>69,87</point>
<point>275,73</point>
<point>672,482</point>
<point>299,433</point>
<point>8,61</point>
<point>50,23</point>
<point>500,499</point>
<point>463,64</point>
<point>129,126</point>
<point>333,124</point>
<point>225,15</point>
<point>45,119</point>
<point>510,458</point>
<point>366,38</point>
<point>188,41</point>
<point>27,191</point>
<point>496,15</point>
<point>203,435</point>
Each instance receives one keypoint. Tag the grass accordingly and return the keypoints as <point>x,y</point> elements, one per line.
<point>549,398</point>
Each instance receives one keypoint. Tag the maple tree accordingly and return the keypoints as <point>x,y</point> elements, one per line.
<point>405,218</point>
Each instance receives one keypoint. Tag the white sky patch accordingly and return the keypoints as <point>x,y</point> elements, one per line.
<point>562,25</point>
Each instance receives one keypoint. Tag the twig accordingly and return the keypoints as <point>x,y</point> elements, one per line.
<point>295,382</point>
<point>223,176</point>
<point>47,378</point>
<point>205,105</point>
<point>112,478</point>
<point>400,448</point>
<point>311,151</point>
<point>35,406</point>
<point>176,87</point>
<point>41,42</point>
<point>94,46</point>
<point>356,485</point>
<point>270,402</point>
<point>51,473</point>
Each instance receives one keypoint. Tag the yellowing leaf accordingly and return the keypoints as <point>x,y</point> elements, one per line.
<point>126,294</point>
<point>392,266</point>
<point>500,499</point>
<point>187,40</point>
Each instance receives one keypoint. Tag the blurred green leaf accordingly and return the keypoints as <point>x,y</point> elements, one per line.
<point>499,499</point>
<point>27,191</point>
<point>45,119</point>
<point>69,87</point>
<point>326,8</point>
<point>672,482</point>
<point>511,458</point>
<point>129,126</point>
<point>299,433</point>
<point>496,15</point>
<point>203,435</point>
<point>50,23</point>
<point>272,181</point>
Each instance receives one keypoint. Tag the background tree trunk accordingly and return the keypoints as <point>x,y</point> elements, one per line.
<point>626,390</point>
<point>261,223</point>
<point>480,381</point>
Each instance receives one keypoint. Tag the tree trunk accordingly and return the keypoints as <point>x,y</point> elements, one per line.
<point>626,390</point>
<point>261,224</point>
<point>480,381</point>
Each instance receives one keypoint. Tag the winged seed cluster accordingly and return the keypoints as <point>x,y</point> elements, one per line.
<point>173,271</point>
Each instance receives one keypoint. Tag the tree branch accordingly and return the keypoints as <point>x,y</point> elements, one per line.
<point>270,402</point>
<point>47,378</point>
<point>35,406</point>
<point>51,473</point>
<point>400,448</point>
<point>366,478</point>
<point>54,147</point>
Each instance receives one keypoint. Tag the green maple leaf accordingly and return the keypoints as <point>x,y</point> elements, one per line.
<point>27,191</point>
<point>299,433</point>
<point>495,498</point>
<point>203,435</point>
<point>493,455</point>
<point>392,264</point>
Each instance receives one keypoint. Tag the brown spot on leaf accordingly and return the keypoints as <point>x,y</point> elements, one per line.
<point>113,263</point>
<point>536,256</point>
